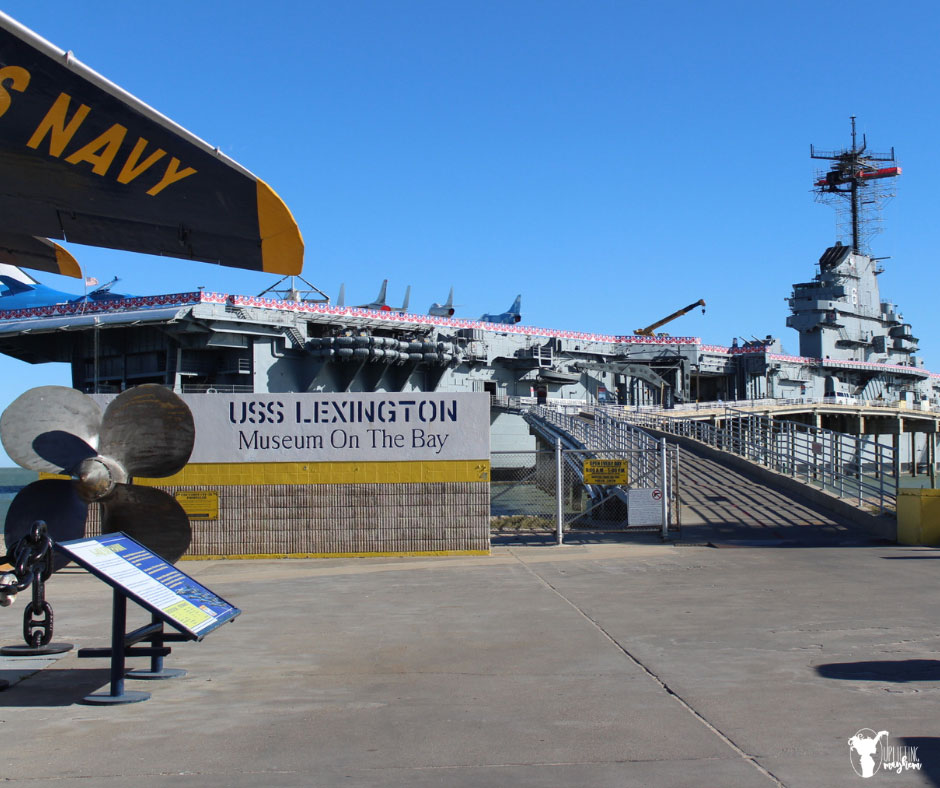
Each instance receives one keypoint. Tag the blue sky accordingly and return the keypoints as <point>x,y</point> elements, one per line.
<point>610,161</point>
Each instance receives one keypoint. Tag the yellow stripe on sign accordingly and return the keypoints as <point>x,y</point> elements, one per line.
<point>253,473</point>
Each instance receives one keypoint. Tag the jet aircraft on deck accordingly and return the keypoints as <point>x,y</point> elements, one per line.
<point>512,315</point>
<point>443,310</point>
<point>21,291</point>
<point>379,304</point>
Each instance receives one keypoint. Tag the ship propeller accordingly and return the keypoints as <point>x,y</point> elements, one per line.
<point>145,431</point>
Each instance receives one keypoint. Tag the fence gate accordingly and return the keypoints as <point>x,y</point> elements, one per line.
<point>575,490</point>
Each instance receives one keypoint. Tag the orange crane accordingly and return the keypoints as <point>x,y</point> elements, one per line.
<point>648,331</point>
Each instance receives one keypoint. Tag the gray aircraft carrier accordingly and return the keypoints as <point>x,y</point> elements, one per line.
<point>852,343</point>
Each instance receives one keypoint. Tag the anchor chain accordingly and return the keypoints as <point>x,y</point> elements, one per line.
<point>32,561</point>
<point>37,617</point>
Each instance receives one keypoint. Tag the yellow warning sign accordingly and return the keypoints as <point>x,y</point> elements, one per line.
<point>199,504</point>
<point>606,471</point>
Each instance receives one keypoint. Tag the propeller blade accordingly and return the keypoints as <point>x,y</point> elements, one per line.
<point>151,516</point>
<point>149,430</point>
<point>54,501</point>
<point>50,428</point>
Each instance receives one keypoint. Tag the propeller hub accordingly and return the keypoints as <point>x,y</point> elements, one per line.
<point>96,477</point>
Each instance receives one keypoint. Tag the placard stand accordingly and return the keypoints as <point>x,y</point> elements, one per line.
<point>123,646</point>
<point>157,671</point>
<point>168,594</point>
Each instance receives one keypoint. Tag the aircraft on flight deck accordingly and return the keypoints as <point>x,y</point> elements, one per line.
<point>443,310</point>
<point>512,315</point>
<point>379,304</point>
<point>21,291</point>
<point>84,160</point>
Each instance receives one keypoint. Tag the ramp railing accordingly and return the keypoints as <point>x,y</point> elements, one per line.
<point>606,437</point>
<point>854,467</point>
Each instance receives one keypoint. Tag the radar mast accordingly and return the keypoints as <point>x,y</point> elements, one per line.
<point>855,183</point>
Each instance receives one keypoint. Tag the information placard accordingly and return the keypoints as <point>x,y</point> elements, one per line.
<point>645,507</point>
<point>606,471</point>
<point>199,504</point>
<point>158,586</point>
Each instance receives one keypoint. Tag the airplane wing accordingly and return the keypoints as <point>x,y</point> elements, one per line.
<point>25,251</point>
<point>17,274</point>
<point>85,161</point>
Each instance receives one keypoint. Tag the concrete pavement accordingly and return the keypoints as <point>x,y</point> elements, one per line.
<point>589,665</point>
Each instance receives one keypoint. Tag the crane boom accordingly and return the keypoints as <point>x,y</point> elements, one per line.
<point>648,331</point>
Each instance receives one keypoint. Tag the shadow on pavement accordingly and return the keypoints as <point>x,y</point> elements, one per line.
<point>698,536</point>
<point>531,538</point>
<point>898,671</point>
<point>55,687</point>
<point>928,753</point>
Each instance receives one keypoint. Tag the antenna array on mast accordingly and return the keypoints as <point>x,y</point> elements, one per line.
<point>856,184</point>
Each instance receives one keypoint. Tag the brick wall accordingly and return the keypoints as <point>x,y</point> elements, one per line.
<point>326,517</point>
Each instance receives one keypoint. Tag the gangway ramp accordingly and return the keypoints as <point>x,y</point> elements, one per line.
<point>725,498</point>
<point>852,477</point>
<point>721,506</point>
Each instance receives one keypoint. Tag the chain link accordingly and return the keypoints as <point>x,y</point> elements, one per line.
<point>37,629</point>
<point>32,561</point>
<point>31,556</point>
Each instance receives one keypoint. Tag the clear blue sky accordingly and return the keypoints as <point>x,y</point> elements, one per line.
<point>611,161</point>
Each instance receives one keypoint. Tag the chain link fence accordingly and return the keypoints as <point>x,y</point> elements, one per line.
<point>564,491</point>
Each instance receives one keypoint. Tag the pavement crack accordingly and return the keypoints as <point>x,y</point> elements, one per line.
<point>746,756</point>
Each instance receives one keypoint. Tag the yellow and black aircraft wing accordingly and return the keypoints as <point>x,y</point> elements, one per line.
<point>25,251</point>
<point>84,161</point>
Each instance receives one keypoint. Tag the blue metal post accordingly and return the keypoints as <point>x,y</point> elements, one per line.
<point>118,626</point>
<point>116,693</point>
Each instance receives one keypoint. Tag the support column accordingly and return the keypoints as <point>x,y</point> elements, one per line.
<point>896,445</point>
<point>559,493</point>
<point>932,458</point>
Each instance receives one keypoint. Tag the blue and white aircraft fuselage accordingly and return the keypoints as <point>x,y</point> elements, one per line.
<point>18,290</point>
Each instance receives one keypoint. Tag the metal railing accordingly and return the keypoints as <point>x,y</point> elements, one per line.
<point>854,467</point>
<point>654,465</point>
<point>606,437</point>
<point>216,388</point>
<point>769,403</point>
